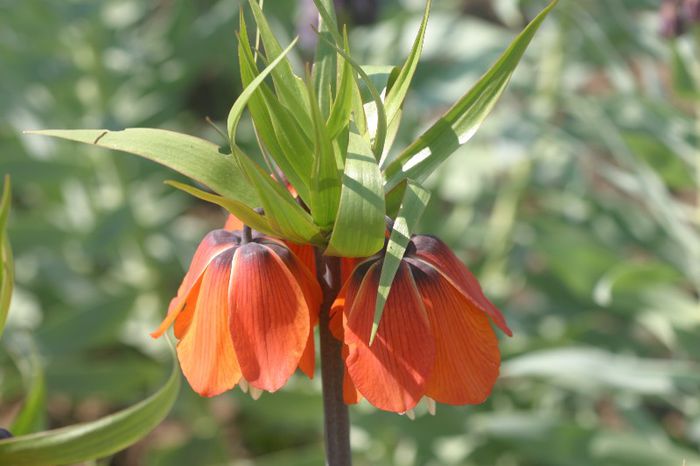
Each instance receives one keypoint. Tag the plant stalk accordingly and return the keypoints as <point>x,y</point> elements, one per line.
<point>335,411</point>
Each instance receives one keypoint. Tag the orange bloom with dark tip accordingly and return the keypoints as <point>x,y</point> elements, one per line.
<point>245,310</point>
<point>434,338</point>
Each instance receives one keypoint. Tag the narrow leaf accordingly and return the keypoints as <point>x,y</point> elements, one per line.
<point>325,61</point>
<point>193,157</point>
<point>380,135</point>
<point>415,199</point>
<point>342,105</point>
<point>31,417</point>
<point>92,440</point>
<point>289,87</point>
<point>399,89</point>
<point>6,263</point>
<point>359,226</point>
<point>460,123</point>
<point>277,129</point>
<point>234,116</point>
<point>326,176</point>
<point>281,210</point>
<point>247,215</point>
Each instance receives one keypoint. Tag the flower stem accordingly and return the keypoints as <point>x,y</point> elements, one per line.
<point>335,411</point>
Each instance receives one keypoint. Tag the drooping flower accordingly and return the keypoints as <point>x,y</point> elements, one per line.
<point>244,310</point>
<point>434,338</point>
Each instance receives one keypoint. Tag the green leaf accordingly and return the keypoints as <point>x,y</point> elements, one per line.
<point>399,89</point>
<point>276,127</point>
<point>381,126</point>
<point>91,440</point>
<point>289,86</point>
<point>193,157</point>
<point>234,116</point>
<point>281,210</point>
<point>415,199</point>
<point>460,123</point>
<point>325,61</point>
<point>683,81</point>
<point>343,104</point>
<point>359,226</point>
<point>247,215</point>
<point>31,417</point>
<point>326,175</point>
<point>6,262</point>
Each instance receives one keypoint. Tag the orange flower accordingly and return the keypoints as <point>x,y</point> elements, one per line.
<point>244,310</point>
<point>434,338</point>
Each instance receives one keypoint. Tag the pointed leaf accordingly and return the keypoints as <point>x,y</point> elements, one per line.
<point>234,116</point>
<point>276,127</point>
<point>399,89</point>
<point>415,199</point>
<point>324,70</point>
<point>460,123</point>
<point>281,210</point>
<point>6,263</point>
<point>359,226</point>
<point>289,87</point>
<point>381,127</point>
<point>92,440</point>
<point>247,215</point>
<point>32,416</point>
<point>326,176</point>
<point>342,105</point>
<point>193,157</point>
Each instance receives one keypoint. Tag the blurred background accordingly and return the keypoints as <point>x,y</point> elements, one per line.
<point>576,205</point>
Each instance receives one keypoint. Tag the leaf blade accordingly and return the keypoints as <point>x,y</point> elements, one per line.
<point>96,439</point>
<point>461,121</point>
<point>193,157</point>
<point>415,200</point>
<point>361,204</point>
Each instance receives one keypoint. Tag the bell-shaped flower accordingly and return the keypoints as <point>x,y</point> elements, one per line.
<point>434,338</point>
<point>245,310</point>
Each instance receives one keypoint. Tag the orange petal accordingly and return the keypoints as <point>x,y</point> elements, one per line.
<point>206,353</point>
<point>307,363</point>
<point>345,298</point>
<point>467,359</point>
<point>436,253</point>
<point>233,223</point>
<point>269,317</point>
<point>350,394</point>
<point>305,253</point>
<point>391,373</point>
<point>213,244</point>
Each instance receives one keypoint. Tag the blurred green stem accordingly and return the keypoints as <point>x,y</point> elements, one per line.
<point>335,411</point>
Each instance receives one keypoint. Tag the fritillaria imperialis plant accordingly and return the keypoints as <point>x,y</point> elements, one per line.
<point>322,234</point>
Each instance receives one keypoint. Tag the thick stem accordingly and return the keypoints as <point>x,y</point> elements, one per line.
<point>336,418</point>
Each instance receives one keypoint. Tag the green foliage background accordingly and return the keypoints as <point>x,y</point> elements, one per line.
<point>574,205</point>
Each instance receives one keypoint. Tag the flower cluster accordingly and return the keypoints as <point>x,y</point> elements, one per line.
<point>247,308</point>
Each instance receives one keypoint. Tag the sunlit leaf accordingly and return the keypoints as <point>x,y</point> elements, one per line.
<point>399,89</point>
<point>325,177</point>
<point>381,127</point>
<point>193,157</point>
<point>234,116</point>
<point>290,88</point>
<point>281,210</point>
<point>415,200</point>
<point>462,121</point>
<point>359,226</point>
<point>92,440</point>
<point>325,62</point>
<point>247,215</point>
